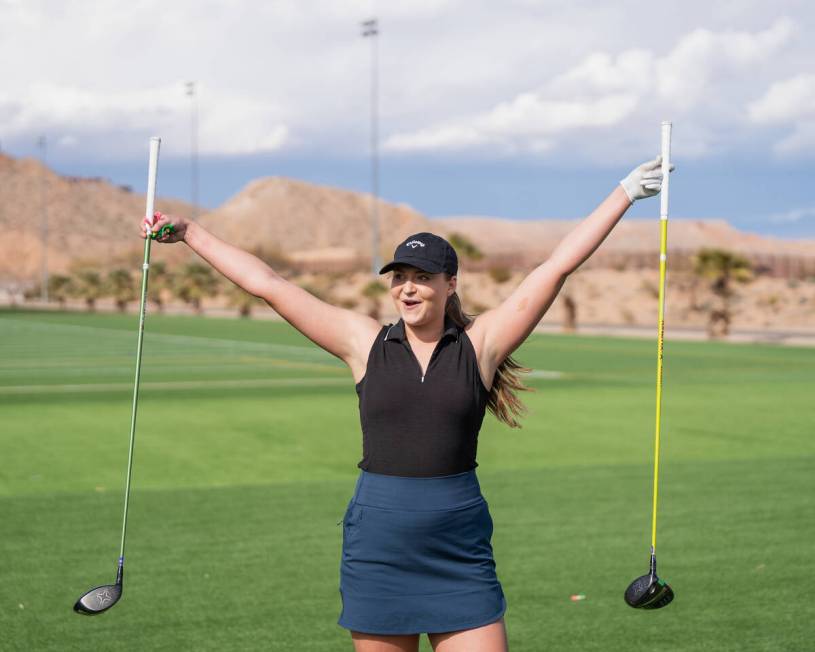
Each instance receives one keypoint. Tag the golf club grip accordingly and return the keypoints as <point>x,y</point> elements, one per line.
<point>666,166</point>
<point>152,172</point>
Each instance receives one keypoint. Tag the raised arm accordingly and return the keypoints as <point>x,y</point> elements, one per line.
<point>504,328</point>
<point>343,333</point>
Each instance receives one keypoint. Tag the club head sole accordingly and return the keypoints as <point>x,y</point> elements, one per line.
<point>98,600</point>
<point>662,597</point>
<point>648,592</point>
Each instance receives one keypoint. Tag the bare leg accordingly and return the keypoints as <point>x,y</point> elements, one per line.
<point>488,638</point>
<point>376,643</point>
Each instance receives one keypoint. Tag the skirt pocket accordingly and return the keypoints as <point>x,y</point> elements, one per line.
<point>351,519</point>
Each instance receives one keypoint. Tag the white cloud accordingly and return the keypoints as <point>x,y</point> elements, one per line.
<point>523,123</point>
<point>800,142</point>
<point>452,137</point>
<point>529,114</point>
<point>229,125</point>
<point>785,101</point>
<point>619,94</point>
<point>631,71</point>
<point>789,103</point>
<point>560,79</point>
<point>793,216</point>
<point>702,58</point>
<point>68,140</point>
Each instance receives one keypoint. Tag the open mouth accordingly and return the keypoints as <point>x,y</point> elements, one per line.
<point>410,303</point>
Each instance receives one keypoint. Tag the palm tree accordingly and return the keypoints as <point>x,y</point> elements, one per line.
<point>193,283</point>
<point>60,288</point>
<point>372,291</point>
<point>722,268</point>
<point>570,313</point>
<point>119,285</point>
<point>239,298</point>
<point>88,285</point>
<point>160,282</point>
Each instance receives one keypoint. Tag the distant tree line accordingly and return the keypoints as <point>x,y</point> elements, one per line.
<point>716,270</point>
<point>190,283</point>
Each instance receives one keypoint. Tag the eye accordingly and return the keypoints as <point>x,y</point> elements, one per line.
<point>424,277</point>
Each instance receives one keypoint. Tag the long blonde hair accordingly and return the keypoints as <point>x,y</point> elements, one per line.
<point>502,402</point>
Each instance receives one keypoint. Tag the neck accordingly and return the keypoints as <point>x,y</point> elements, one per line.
<point>428,333</point>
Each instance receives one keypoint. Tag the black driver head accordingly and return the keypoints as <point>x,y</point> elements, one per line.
<point>648,592</point>
<point>101,598</point>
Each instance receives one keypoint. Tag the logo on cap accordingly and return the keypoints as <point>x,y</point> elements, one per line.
<point>414,243</point>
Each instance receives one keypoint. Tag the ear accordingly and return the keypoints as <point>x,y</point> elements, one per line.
<point>451,285</point>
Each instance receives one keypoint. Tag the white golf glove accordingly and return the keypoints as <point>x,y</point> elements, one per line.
<point>645,180</point>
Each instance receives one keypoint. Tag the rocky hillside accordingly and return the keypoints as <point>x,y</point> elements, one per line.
<point>87,219</point>
<point>309,222</point>
<point>319,227</point>
<point>535,239</point>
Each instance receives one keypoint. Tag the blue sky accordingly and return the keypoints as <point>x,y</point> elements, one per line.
<point>519,109</point>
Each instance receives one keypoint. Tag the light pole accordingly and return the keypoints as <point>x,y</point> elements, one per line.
<point>193,147</point>
<point>370,28</point>
<point>42,143</point>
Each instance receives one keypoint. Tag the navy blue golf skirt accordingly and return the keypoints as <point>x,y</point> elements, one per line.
<point>417,557</point>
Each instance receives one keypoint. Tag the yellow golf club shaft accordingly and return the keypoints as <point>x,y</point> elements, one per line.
<point>663,248</point>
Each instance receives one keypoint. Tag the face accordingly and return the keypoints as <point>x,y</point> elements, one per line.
<point>420,297</point>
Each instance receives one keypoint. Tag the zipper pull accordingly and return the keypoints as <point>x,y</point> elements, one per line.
<point>422,378</point>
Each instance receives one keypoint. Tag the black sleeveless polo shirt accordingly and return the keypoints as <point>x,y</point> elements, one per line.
<point>421,426</point>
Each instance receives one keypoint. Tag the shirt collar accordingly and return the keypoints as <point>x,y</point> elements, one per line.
<point>396,332</point>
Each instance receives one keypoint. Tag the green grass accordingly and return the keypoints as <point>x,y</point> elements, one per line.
<point>246,451</point>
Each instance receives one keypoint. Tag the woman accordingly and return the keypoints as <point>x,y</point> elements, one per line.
<point>416,555</point>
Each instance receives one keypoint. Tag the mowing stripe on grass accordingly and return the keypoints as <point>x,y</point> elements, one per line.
<point>179,385</point>
<point>194,341</point>
<point>71,368</point>
<point>545,373</point>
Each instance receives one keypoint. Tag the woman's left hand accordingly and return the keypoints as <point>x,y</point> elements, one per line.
<point>645,180</point>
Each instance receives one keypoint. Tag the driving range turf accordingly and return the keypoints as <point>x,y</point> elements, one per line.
<point>246,449</point>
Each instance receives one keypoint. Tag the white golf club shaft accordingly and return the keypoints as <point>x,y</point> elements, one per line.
<point>152,173</point>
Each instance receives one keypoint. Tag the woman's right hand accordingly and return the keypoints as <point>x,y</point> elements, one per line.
<point>178,232</point>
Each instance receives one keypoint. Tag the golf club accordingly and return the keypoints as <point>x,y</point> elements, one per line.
<point>101,598</point>
<point>649,591</point>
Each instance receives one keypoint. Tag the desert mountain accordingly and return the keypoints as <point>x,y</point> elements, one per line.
<point>535,239</point>
<point>313,223</point>
<point>95,220</point>
<point>308,222</point>
<point>88,218</point>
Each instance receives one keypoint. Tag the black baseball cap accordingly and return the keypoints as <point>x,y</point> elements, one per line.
<point>425,251</point>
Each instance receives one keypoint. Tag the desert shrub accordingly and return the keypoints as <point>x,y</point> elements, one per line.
<point>373,290</point>
<point>464,246</point>
<point>311,288</point>
<point>652,289</point>
<point>499,274</point>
